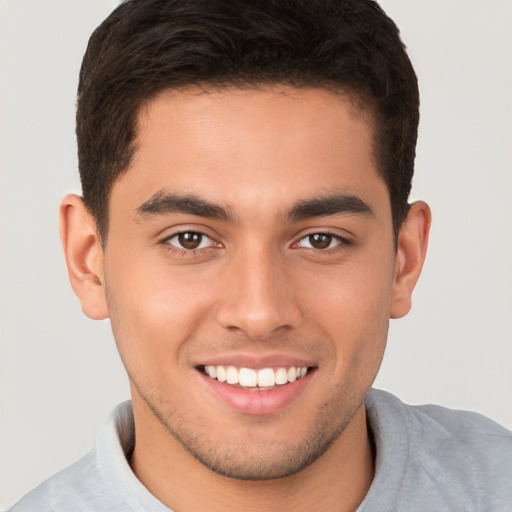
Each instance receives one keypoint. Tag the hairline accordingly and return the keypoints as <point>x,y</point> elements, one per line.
<point>362,106</point>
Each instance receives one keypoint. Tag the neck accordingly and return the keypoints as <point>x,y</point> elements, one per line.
<point>337,481</point>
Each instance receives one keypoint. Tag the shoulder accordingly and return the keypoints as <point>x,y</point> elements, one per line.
<point>441,456</point>
<point>72,487</point>
<point>101,480</point>
<point>463,443</point>
<point>437,423</point>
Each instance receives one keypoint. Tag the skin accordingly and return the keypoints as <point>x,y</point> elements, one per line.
<point>256,287</point>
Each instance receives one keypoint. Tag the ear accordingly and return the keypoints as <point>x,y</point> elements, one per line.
<point>411,252</point>
<point>84,256</point>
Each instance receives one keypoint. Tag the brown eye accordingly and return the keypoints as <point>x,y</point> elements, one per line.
<point>190,240</point>
<point>320,241</point>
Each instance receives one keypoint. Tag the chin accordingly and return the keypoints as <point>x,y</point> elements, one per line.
<point>259,457</point>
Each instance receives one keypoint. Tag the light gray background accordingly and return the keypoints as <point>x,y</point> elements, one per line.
<point>59,371</point>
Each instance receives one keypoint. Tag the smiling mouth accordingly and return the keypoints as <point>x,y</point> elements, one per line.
<point>250,379</point>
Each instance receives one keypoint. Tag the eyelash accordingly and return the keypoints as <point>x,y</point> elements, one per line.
<point>342,242</point>
<point>165,242</point>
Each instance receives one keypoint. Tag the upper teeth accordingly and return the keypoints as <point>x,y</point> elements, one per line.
<point>247,377</point>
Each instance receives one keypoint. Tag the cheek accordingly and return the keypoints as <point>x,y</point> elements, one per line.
<point>352,307</point>
<point>153,313</point>
<point>357,295</point>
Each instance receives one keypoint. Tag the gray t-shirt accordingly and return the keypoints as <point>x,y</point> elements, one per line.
<point>429,459</point>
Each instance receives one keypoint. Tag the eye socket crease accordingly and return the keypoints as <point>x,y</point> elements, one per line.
<point>191,241</point>
<point>329,205</point>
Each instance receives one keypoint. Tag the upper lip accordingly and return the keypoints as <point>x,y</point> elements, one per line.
<point>256,361</point>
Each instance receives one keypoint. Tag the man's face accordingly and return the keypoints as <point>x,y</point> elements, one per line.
<point>251,236</point>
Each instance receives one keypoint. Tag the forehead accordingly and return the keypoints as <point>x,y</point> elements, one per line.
<point>252,146</point>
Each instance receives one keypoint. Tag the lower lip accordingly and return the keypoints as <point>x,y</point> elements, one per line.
<point>257,402</point>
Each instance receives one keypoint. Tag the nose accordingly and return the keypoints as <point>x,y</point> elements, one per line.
<point>258,296</point>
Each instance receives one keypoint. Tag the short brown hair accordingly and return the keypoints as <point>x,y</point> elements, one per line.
<point>146,46</point>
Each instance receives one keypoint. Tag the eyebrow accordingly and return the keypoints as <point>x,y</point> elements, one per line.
<point>333,204</point>
<point>162,203</point>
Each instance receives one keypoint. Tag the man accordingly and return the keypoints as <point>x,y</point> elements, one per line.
<point>245,226</point>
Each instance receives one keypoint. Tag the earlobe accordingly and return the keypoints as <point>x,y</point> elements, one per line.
<point>411,252</point>
<point>84,256</point>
